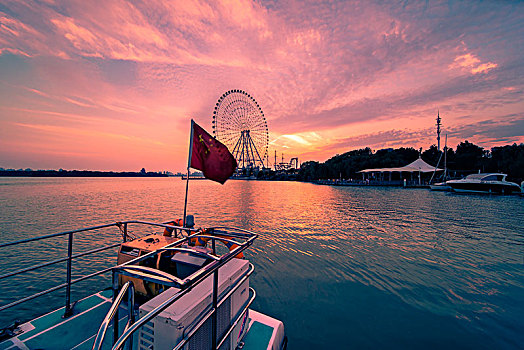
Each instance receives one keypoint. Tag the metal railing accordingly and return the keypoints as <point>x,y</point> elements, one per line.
<point>128,288</point>
<point>216,343</point>
<point>70,257</point>
<point>130,269</point>
<point>187,284</point>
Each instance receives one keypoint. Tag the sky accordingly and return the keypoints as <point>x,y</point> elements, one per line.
<point>113,85</point>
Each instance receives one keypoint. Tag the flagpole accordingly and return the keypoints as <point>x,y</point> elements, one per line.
<point>188,166</point>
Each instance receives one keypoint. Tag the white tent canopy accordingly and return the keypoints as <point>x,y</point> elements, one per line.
<point>417,166</point>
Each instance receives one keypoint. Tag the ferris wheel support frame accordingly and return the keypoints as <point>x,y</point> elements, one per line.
<point>247,147</point>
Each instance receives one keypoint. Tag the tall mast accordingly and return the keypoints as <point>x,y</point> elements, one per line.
<point>438,130</point>
<point>445,156</point>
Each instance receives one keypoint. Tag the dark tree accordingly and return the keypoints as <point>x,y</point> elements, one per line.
<point>432,155</point>
<point>509,160</point>
<point>469,157</point>
<point>309,171</point>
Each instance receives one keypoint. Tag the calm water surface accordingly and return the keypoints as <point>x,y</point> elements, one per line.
<point>341,266</point>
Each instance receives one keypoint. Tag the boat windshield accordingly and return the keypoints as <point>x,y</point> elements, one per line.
<point>486,177</point>
<point>497,177</point>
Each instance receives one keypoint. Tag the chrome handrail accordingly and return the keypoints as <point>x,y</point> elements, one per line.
<point>189,282</point>
<point>149,274</point>
<point>222,239</point>
<point>53,289</point>
<point>235,228</point>
<point>70,257</point>
<point>190,251</point>
<point>130,289</point>
<point>156,311</point>
<point>195,329</point>
<point>34,267</point>
<point>213,310</point>
<point>237,319</point>
<point>56,235</point>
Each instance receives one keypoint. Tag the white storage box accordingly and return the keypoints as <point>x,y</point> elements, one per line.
<point>169,328</point>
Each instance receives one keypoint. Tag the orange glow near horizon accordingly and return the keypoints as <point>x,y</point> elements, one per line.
<point>114,87</point>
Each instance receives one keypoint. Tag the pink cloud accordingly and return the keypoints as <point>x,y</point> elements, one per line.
<point>472,63</point>
<point>484,67</point>
<point>13,27</point>
<point>342,70</point>
<point>14,52</point>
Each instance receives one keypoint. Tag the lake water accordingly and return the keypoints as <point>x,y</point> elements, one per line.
<point>344,267</point>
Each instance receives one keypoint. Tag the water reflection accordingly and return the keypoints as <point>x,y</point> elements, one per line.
<point>356,266</point>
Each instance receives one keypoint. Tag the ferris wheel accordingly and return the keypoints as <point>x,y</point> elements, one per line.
<point>239,123</point>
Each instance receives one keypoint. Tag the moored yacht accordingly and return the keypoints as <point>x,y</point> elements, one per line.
<point>485,183</point>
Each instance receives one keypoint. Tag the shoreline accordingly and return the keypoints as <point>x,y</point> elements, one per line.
<point>77,173</point>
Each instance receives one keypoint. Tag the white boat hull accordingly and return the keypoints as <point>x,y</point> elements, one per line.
<point>485,183</point>
<point>440,187</point>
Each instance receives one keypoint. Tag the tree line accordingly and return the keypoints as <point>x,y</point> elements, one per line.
<point>467,158</point>
<point>77,173</point>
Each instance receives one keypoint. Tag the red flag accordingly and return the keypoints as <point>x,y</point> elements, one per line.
<point>211,156</point>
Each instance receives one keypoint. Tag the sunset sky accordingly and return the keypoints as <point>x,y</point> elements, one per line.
<point>112,85</point>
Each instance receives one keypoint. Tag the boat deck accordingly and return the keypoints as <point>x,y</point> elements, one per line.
<point>51,331</point>
<point>80,329</point>
<point>263,331</point>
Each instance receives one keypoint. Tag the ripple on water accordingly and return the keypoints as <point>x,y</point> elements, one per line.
<point>382,261</point>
